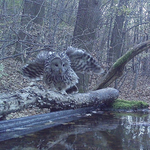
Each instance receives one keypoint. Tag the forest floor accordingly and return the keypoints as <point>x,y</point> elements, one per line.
<point>11,80</point>
<point>141,92</point>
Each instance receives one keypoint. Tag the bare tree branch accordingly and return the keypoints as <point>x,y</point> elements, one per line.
<point>117,69</point>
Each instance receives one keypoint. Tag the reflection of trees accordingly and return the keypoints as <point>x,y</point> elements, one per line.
<point>98,132</point>
<point>136,131</point>
<point>83,134</point>
<point>129,132</point>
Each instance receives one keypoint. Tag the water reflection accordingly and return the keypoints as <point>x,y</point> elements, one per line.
<point>103,131</point>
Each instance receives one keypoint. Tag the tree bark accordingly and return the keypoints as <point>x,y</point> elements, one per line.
<point>88,17</point>
<point>117,36</point>
<point>35,96</point>
<point>33,13</point>
<point>116,70</point>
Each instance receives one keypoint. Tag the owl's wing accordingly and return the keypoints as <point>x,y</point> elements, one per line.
<point>35,69</point>
<point>83,62</point>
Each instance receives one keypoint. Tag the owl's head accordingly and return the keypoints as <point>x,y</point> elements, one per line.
<point>57,65</point>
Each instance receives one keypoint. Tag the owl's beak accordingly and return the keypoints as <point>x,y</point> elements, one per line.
<point>60,71</point>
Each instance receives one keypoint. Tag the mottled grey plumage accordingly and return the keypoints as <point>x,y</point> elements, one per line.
<point>83,62</point>
<point>58,74</point>
<point>58,69</point>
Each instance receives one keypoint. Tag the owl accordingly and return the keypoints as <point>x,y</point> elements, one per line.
<point>59,69</point>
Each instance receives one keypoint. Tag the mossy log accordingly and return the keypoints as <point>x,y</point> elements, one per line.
<point>117,68</point>
<point>38,96</point>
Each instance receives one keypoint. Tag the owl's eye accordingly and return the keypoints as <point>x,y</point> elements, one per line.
<point>56,65</point>
<point>63,65</point>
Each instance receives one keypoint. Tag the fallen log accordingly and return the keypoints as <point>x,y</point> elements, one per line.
<point>38,96</point>
<point>78,105</point>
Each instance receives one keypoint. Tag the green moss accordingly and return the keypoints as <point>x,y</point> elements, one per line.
<point>124,104</point>
<point>122,59</point>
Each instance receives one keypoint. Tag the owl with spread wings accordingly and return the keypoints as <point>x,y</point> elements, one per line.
<point>59,69</point>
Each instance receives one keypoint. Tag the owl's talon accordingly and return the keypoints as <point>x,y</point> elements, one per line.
<point>63,92</point>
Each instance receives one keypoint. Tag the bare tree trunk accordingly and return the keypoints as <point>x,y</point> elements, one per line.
<point>33,13</point>
<point>136,76</point>
<point>146,59</point>
<point>88,16</point>
<point>117,36</point>
<point>109,35</point>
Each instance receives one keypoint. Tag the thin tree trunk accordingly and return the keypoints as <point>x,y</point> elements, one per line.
<point>33,12</point>
<point>117,36</point>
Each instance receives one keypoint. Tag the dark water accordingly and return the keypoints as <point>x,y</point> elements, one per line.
<point>103,131</point>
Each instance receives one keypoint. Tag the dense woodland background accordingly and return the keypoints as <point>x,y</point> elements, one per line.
<point>107,29</point>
